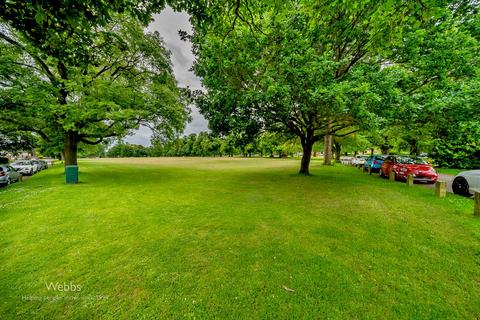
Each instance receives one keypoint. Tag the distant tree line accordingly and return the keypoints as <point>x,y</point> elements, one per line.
<point>203,144</point>
<point>200,145</point>
<point>458,150</point>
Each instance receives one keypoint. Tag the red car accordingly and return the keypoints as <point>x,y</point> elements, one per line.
<point>405,166</point>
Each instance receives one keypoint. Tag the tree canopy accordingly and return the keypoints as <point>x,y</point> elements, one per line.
<point>315,68</point>
<point>83,74</point>
<point>400,73</point>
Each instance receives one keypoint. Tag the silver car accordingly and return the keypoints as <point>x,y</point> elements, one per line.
<point>466,183</point>
<point>8,175</point>
<point>25,167</point>
<point>40,165</point>
<point>359,160</point>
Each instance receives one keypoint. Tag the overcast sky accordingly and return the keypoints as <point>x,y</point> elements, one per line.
<point>168,23</point>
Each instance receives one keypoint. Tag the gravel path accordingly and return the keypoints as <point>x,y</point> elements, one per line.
<point>448,178</point>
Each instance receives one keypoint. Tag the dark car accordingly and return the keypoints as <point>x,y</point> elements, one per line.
<point>403,166</point>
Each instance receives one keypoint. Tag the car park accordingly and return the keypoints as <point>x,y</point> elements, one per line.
<point>374,163</point>
<point>466,183</point>
<point>25,167</point>
<point>8,175</point>
<point>403,166</point>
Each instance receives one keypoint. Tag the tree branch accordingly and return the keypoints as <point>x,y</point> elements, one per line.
<point>21,127</point>
<point>346,134</point>
<point>44,66</point>
<point>100,140</point>
<point>423,83</point>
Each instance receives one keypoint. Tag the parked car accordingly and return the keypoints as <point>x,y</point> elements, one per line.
<point>44,164</point>
<point>374,163</point>
<point>359,160</point>
<point>8,175</point>
<point>25,167</point>
<point>49,162</point>
<point>466,183</point>
<point>38,163</point>
<point>41,164</point>
<point>404,166</point>
<point>346,160</point>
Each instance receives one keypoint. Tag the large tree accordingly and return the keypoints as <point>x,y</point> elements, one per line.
<point>124,81</point>
<point>61,49</point>
<point>310,68</point>
<point>301,67</point>
<point>81,71</point>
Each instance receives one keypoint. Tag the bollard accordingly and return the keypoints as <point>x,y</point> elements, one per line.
<point>391,176</point>
<point>410,180</point>
<point>71,174</point>
<point>476,210</point>
<point>441,189</point>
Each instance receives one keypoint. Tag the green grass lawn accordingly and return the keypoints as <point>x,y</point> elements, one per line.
<point>450,171</point>
<point>225,238</point>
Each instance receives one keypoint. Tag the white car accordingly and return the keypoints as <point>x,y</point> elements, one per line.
<point>466,183</point>
<point>359,160</point>
<point>346,160</point>
<point>25,167</point>
<point>49,162</point>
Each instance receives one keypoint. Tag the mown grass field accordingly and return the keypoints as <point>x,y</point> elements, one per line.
<point>229,238</point>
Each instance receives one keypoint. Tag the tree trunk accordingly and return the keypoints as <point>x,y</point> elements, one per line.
<point>307,145</point>
<point>385,147</point>
<point>70,148</point>
<point>338,151</point>
<point>413,147</point>
<point>327,152</point>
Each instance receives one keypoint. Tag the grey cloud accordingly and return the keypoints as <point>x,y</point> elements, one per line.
<point>168,23</point>
<point>198,123</point>
<point>142,136</point>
